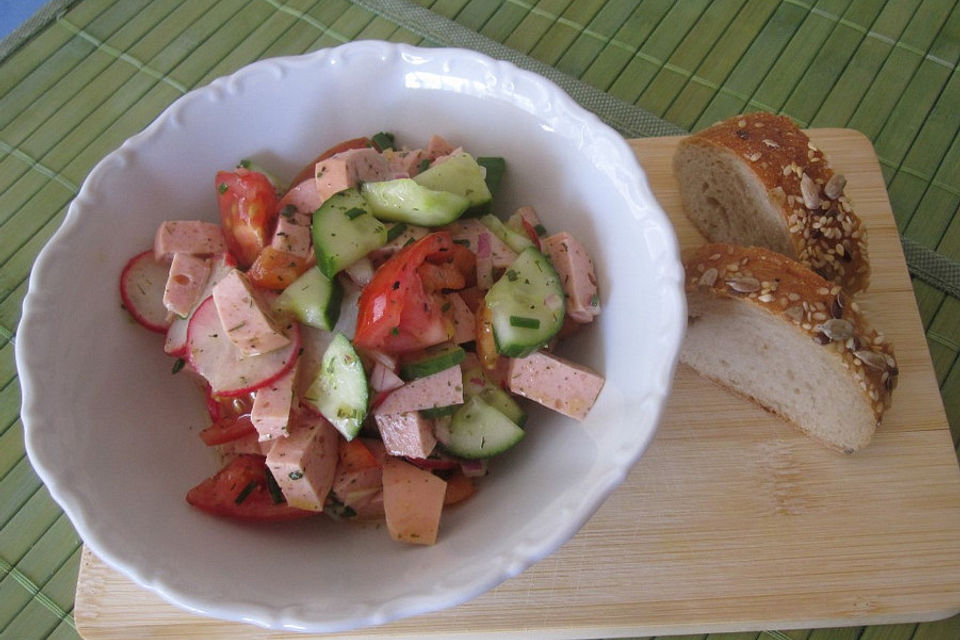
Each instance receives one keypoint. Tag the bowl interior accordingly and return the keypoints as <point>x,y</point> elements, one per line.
<point>114,433</point>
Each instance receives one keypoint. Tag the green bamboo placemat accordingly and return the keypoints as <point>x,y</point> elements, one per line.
<point>87,74</point>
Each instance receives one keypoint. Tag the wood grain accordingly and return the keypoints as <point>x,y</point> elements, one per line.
<point>731,521</point>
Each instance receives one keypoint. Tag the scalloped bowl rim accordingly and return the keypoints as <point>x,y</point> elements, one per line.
<point>510,562</point>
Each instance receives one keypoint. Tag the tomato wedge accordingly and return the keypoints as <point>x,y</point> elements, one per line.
<point>248,211</point>
<point>276,269</point>
<point>355,456</point>
<point>227,430</point>
<point>395,313</point>
<point>240,490</point>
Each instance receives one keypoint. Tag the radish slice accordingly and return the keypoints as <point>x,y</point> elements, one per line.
<point>141,288</point>
<point>228,371</point>
<point>176,342</point>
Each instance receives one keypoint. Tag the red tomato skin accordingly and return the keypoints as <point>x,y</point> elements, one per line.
<point>227,430</point>
<point>248,212</point>
<point>275,269</point>
<point>394,313</point>
<point>219,493</point>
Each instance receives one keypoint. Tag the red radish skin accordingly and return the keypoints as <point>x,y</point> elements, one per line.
<point>230,373</point>
<point>142,282</point>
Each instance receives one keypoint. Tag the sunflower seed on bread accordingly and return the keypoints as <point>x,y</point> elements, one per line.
<point>756,179</point>
<point>793,344</point>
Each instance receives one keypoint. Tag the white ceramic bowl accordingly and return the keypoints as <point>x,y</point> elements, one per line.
<point>114,435</point>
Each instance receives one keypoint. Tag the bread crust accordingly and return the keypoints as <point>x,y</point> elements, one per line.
<point>825,232</point>
<point>791,293</point>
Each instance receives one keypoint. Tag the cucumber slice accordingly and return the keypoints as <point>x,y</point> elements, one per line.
<point>431,360</point>
<point>439,412</point>
<point>344,231</point>
<point>516,241</point>
<point>480,431</point>
<point>403,200</point>
<point>526,305</point>
<point>476,383</point>
<point>340,392</point>
<point>312,299</point>
<point>504,403</point>
<point>459,174</point>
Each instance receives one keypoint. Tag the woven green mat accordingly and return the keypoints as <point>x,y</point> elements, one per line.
<point>86,75</point>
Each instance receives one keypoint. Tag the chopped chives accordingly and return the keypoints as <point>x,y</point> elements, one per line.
<point>383,140</point>
<point>424,165</point>
<point>524,322</point>
<point>495,166</point>
<point>354,213</point>
<point>276,494</point>
<point>247,490</point>
<point>395,231</point>
<point>540,229</point>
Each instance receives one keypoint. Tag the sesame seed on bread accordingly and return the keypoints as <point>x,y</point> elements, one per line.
<point>756,179</point>
<point>766,327</point>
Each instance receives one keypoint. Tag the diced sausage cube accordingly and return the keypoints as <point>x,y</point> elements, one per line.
<point>272,404</point>
<point>406,434</point>
<point>187,278</point>
<point>293,235</point>
<point>412,502</point>
<point>245,318</point>
<point>348,168</point>
<point>575,269</point>
<point>556,383</point>
<point>467,231</point>
<point>439,146</point>
<point>441,389</point>
<point>192,237</point>
<point>406,164</point>
<point>304,198</point>
<point>305,462</point>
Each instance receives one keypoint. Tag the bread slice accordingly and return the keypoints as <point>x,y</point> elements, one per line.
<point>771,330</point>
<point>756,179</point>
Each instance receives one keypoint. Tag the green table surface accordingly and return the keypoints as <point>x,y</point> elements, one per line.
<point>82,76</point>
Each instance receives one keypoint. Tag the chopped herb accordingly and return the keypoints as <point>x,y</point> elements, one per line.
<point>445,307</point>
<point>540,229</point>
<point>276,494</point>
<point>247,490</point>
<point>394,232</point>
<point>354,213</point>
<point>465,243</point>
<point>244,164</point>
<point>395,331</point>
<point>512,275</point>
<point>595,300</point>
<point>409,241</point>
<point>424,164</point>
<point>288,211</point>
<point>178,365</point>
<point>383,140</point>
<point>295,475</point>
<point>524,322</point>
<point>222,187</point>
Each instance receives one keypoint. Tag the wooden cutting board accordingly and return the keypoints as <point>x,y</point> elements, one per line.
<point>731,521</point>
